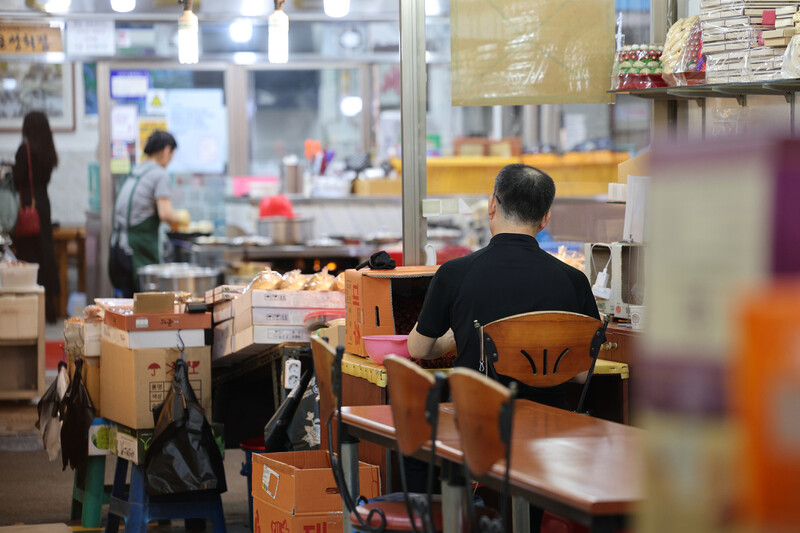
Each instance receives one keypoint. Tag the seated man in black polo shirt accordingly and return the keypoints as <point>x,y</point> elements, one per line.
<point>510,276</point>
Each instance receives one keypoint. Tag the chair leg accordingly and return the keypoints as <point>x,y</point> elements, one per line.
<point>77,503</point>
<point>118,498</point>
<point>218,517</point>
<point>93,488</point>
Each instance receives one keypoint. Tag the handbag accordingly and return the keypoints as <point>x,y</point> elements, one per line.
<point>28,222</point>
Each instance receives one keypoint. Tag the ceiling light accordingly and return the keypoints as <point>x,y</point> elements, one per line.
<point>57,6</point>
<point>188,47</point>
<point>245,58</point>
<point>351,106</point>
<point>241,31</point>
<point>278,35</point>
<point>9,84</point>
<point>123,6</point>
<point>433,8</point>
<point>336,8</point>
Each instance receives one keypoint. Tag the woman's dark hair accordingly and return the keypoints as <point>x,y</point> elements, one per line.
<point>524,193</point>
<point>36,130</point>
<point>159,140</point>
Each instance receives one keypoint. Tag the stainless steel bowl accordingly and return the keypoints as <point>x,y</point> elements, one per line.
<point>283,230</point>
<point>179,277</point>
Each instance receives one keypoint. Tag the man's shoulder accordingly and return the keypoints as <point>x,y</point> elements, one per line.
<point>463,263</point>
<point>575,275</point>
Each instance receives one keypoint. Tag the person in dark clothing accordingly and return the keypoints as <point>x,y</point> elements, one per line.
<point>510,276</point>
<point>38,138</point>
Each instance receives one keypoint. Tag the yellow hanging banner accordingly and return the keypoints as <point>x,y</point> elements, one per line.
<point>29,39</point>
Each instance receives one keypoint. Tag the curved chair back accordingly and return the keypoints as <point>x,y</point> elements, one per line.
<point>484,412</point>
<point>408,388</point>
<point>323,364</point>
<point>543,349</point>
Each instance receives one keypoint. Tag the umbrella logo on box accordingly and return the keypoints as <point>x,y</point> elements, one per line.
<point>153,368</point>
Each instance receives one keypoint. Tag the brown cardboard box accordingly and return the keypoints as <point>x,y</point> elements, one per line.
<point>157,321</point>
<point>296,491</point>
<point>383,302</point>
<point>132,382</point>
<point>153,302</point>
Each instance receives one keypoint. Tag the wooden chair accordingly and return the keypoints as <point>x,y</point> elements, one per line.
<point>483,411</point>
<point>413,415</point>
<point>542,349</point>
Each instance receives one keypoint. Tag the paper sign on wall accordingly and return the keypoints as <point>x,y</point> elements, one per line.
<point>129,83</point>
<point>123,122</point>
<point>91,37</point>
<point>156,103</point>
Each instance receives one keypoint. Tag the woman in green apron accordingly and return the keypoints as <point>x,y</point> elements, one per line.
<point>143,202</point>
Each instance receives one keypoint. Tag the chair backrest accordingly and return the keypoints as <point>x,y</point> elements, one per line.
<point>409,386</point>
<point>542,349</point>
<point>478,404</point>
<point>323,363</point>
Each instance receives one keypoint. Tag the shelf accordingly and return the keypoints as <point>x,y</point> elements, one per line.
<point>19,342</point>
<point>740,91</point>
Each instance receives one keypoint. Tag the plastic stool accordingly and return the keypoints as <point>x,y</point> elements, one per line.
<point>137,509</point>
<point>89,492</point>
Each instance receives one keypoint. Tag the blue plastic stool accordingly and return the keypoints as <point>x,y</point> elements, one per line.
<point>137,509</point>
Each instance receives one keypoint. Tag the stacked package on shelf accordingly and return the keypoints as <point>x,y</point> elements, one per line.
<point>727,38</point>
<point>777,29</point>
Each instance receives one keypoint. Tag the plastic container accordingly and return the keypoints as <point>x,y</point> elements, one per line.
<point>379,346</point>
<point>18,275</point>
<point>255,444</point>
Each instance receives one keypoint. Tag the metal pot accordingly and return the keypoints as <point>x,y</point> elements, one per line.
<point>283,230</point>
<point>179,277</point>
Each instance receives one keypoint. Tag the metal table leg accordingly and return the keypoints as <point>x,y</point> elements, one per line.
<point>453,485</point>
<point>521,515</point>
<point>350,466</point>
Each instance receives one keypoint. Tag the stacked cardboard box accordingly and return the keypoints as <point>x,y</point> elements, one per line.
<point>744,40</point>
<point>248,323</point>
<point>727,35</point>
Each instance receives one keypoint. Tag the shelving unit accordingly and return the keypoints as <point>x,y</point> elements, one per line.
<point>739,91</point>
<point>22,358</point>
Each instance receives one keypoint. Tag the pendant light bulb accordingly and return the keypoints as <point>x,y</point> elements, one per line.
<point>278,39</point>
<point>188,49</point>
<point>336,8</point>
<point>123,6</point>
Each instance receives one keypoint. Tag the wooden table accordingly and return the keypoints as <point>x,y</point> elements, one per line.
<point>67,242</point>
<point>580,467</point>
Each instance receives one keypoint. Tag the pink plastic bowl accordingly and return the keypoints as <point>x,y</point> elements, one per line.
<point>379,346</point>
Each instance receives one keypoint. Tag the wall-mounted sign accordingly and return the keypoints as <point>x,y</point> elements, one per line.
<point>129,83</point>
<point>91,38</point>
<point>29,39</point>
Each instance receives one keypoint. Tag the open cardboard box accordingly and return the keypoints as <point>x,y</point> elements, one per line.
<point>383,302</point>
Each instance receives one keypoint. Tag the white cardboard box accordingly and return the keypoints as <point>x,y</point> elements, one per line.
<point>167,338</point>
<point>19,316</point>
<point>223,340</point>
<point>254,339</point>
<point>272,316</point>
<point>301,299</point>
<point>223,311</point>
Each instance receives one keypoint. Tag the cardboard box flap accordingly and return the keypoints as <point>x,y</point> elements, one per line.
<point>403,272</point>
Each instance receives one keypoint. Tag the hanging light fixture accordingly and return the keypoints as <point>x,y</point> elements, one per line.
<point>278,39</point>
<point>188,48</point>
<point>123,6</point>
<point>336,8</point>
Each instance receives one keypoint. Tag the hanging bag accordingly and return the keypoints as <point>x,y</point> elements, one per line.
<point>9,200</point>
<point>28,222</point>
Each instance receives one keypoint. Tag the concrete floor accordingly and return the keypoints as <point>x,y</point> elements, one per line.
<point>35,491</point>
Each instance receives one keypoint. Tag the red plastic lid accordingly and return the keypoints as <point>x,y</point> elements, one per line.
<point>254,444</point>
<point>276,206</point>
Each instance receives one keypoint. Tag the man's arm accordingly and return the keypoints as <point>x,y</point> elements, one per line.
<point>422,347</point>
